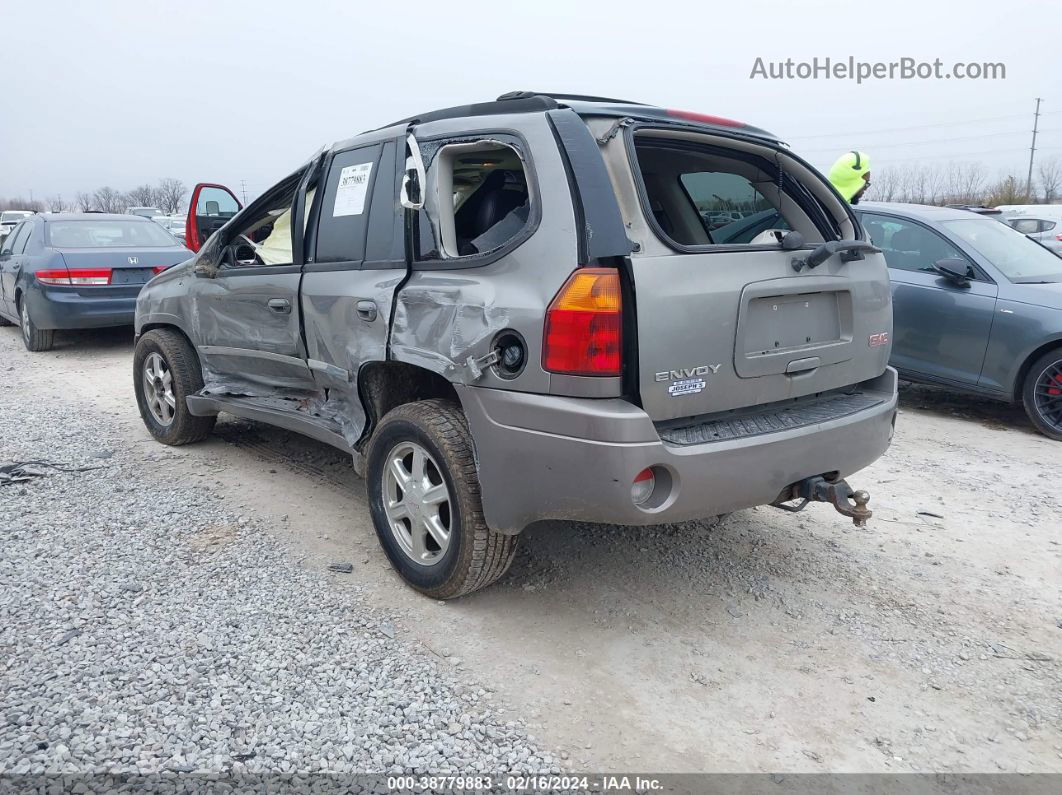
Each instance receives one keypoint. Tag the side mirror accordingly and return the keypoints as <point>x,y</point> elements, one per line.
<point>414,179</point>
<point>955,270</point>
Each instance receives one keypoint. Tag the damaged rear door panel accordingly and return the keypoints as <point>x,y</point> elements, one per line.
<point>355,263</point>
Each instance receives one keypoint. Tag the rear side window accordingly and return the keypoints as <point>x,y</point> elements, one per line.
<point>478,203</point>
<point>1027,226</point>
<point>16,240</point>
<point>709,195</point>
<point>344,209</point>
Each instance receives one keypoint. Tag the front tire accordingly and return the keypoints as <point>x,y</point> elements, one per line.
<point>424,495</point>
<point>35,339</point>
<point>1042,394</point>
<point>165,372</point>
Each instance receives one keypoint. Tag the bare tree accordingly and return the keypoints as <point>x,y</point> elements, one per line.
<point>21,203</point>
<point>108,200</point>
<point>84,201</point>
<point>970,180</point>
<point>1008,190</point>
<point>1050,174</point>
<point>142,196</point>
<point>56,203</point>
<point>170,195</point>
<point>885,184</point>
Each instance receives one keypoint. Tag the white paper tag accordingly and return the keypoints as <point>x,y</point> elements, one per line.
<point>350,194</point>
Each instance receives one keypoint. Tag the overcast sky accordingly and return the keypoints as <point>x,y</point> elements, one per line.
<point>120,93</point>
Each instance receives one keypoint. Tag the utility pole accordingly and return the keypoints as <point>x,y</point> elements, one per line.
<point>243,188</point>
<point>1032,149</point>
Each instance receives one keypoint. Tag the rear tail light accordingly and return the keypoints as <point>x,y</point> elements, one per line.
<point>159,269</point>
<point>583,333</point>
<point>1058,238</point>
<point>75,276</point>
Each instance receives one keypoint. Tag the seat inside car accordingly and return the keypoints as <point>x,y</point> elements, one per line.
<point>485,208</point>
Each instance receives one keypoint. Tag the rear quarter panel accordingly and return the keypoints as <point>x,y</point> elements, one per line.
<point>442,317</point>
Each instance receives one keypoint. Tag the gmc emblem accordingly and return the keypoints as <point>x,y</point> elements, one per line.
<point>879,339</point>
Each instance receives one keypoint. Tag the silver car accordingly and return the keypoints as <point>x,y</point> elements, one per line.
<point>978,306</point>
<point>1046,231</point>
<point>516,311</point>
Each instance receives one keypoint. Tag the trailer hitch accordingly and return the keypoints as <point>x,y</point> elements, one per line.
<point>837,492</point>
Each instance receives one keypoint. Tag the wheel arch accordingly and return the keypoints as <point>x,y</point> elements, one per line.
<point>1027,363</point>
<point>386,385</point>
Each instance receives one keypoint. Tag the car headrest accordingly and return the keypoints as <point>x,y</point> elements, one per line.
<point>904,240</point>
<point>487,206</point>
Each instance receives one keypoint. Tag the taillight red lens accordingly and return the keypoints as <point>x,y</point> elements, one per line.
<point>1058,238</point>
<point>75,276</point>
<point>159,269</point>
<point>704,118</point>
<point>584,325</point>
<point>53,277</point>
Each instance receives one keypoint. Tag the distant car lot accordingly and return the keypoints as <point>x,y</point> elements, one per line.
<point>1046,231</point>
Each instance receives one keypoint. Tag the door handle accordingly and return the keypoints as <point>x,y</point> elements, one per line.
<point>282,306</point>
<point>366,310</point>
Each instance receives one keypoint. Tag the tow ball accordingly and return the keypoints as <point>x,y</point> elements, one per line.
<point>836,492</point>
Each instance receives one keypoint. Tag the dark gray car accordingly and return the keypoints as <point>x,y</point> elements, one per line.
<point>977,306</point>
<point>79,270</point>
<point>518,310</point>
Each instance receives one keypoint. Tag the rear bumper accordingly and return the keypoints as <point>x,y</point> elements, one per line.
<point>57,307</point>
<point>545,457</point>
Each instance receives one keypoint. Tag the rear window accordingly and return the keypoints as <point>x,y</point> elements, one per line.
<point>104,233</point>
<point>707,195</point>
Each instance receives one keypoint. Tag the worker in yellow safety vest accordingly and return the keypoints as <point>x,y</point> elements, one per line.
<point>851,175</point>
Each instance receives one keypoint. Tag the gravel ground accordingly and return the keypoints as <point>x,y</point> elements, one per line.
<point>146,626</point>
<point>930,641</point>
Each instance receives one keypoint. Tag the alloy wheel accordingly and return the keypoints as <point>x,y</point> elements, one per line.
<point>417,503</point>
<point>158,389</point>
<point>1047,395</point>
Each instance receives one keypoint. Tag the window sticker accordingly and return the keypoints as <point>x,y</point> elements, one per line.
<point>350,194</point>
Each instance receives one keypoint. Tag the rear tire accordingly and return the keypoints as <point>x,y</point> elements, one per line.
<point>1042,394</point>
<point>165,372</point>
<point>472,556</point>
<point>35,339</point>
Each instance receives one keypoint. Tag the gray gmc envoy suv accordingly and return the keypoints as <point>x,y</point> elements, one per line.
<point>542,307</point>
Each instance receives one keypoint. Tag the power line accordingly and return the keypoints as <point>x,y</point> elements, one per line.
<point>931,140</point>
<point>953,157</point>
<point>918,126</point>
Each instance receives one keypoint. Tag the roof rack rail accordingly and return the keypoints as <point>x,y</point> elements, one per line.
<point>511,95</point>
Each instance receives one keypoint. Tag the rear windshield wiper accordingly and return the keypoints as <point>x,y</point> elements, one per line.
<point>848,249</point>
